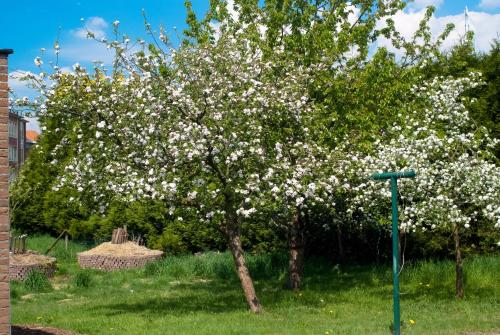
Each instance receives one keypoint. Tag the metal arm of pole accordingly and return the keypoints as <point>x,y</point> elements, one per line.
<point>397,175</point>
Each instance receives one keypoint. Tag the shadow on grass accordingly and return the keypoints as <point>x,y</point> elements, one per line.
<point>38,330</point>
<point>219,296</point>
<point>211,297</point>
<point>346,284</point>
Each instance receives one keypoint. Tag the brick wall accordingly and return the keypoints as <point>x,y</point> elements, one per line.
<point>21,271</point>
<point>110,263</point>
<point>4,195</point>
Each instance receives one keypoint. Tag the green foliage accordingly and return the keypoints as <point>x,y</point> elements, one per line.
<point>486,110</point>
<point>35,207</point>
<point>37,282</point>
<point>170,242</point>
<point>215,265</point>
<point>82,279</point>
<point>484,101</point>
<point>480,238</point>
<point>27,193</point>
<point>14,293</point>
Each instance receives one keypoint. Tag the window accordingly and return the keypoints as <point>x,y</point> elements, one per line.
<point>12,174</point>
<point>22,141</point>
<point>12,153</point>
<point>12,129</point>
<point>22,132</point>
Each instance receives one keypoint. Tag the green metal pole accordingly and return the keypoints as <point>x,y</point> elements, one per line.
<point>395,255</point>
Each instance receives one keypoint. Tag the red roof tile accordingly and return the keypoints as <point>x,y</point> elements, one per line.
<point>32,135</point>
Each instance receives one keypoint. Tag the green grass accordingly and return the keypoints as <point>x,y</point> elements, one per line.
<point>37,282</point>
<point>201,295</point>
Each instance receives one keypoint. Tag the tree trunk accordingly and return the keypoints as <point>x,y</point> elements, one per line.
<point>296,245</point>
<point>459,279</point>
<point>233,235</point>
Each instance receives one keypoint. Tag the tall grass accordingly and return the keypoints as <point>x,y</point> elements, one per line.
<point>41,243</point>
<point>37,282</point>
<point>83,279</point>
<point>481,276</point>
<point>66,257</point>
<point>216,265</point>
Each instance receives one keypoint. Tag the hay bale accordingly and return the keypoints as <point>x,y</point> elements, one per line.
<point>20,265</point>
<point>109,256</point>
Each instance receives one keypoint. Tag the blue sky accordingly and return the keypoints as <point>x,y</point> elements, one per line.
<point>28,25</point>
<point>31,25</point>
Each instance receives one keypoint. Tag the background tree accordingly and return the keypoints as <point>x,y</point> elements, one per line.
<point>458,180</point>
<point>358,95</point>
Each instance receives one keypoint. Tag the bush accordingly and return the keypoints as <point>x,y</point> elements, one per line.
<point>153,269</point>
<point>14,293</point>
<point>37,281</point>
<point>82,279</point>
<point>170,242</point>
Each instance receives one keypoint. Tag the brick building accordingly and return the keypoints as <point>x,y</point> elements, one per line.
<point>17,144</point>
<point>4,195</point>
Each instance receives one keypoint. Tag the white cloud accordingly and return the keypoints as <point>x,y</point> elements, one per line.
<point>77,47</point>
<point>485,26</point>
<point>20,90</point>
<point>20,87</point>
<point>235,14</point>
<point>420,4</point>
<point>86,51</point>
<point>96,25</point>
<point>489,4</point>
<point>33,124</point>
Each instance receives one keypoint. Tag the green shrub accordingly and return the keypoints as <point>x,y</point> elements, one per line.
<point>154,268</point>
<point>14,293</point>
<point>83,279</point>
<point>37,281</point>
<point>170,242</point>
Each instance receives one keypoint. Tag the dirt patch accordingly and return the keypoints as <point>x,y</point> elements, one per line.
<point>123,249</point>
<point>39,330</point>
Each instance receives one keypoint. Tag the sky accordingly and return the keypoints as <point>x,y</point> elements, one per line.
<point>28,25</point>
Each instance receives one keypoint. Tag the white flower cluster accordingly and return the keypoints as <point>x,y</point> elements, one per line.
<point>456,181</point>
<point>192,127</point>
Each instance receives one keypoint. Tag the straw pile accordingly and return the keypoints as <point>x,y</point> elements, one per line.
<point>109,256</point>
<point>123,249</point>
<point>20,265</point>
<point>30,259</point>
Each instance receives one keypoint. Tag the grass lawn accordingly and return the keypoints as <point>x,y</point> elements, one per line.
<point>201,295</point>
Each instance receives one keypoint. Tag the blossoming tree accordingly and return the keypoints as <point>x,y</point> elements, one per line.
<point>458,181</point>
<point>198,128</point>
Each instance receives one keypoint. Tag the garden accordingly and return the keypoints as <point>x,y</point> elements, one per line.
<point>239,164</point>
<point>202,295</point>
